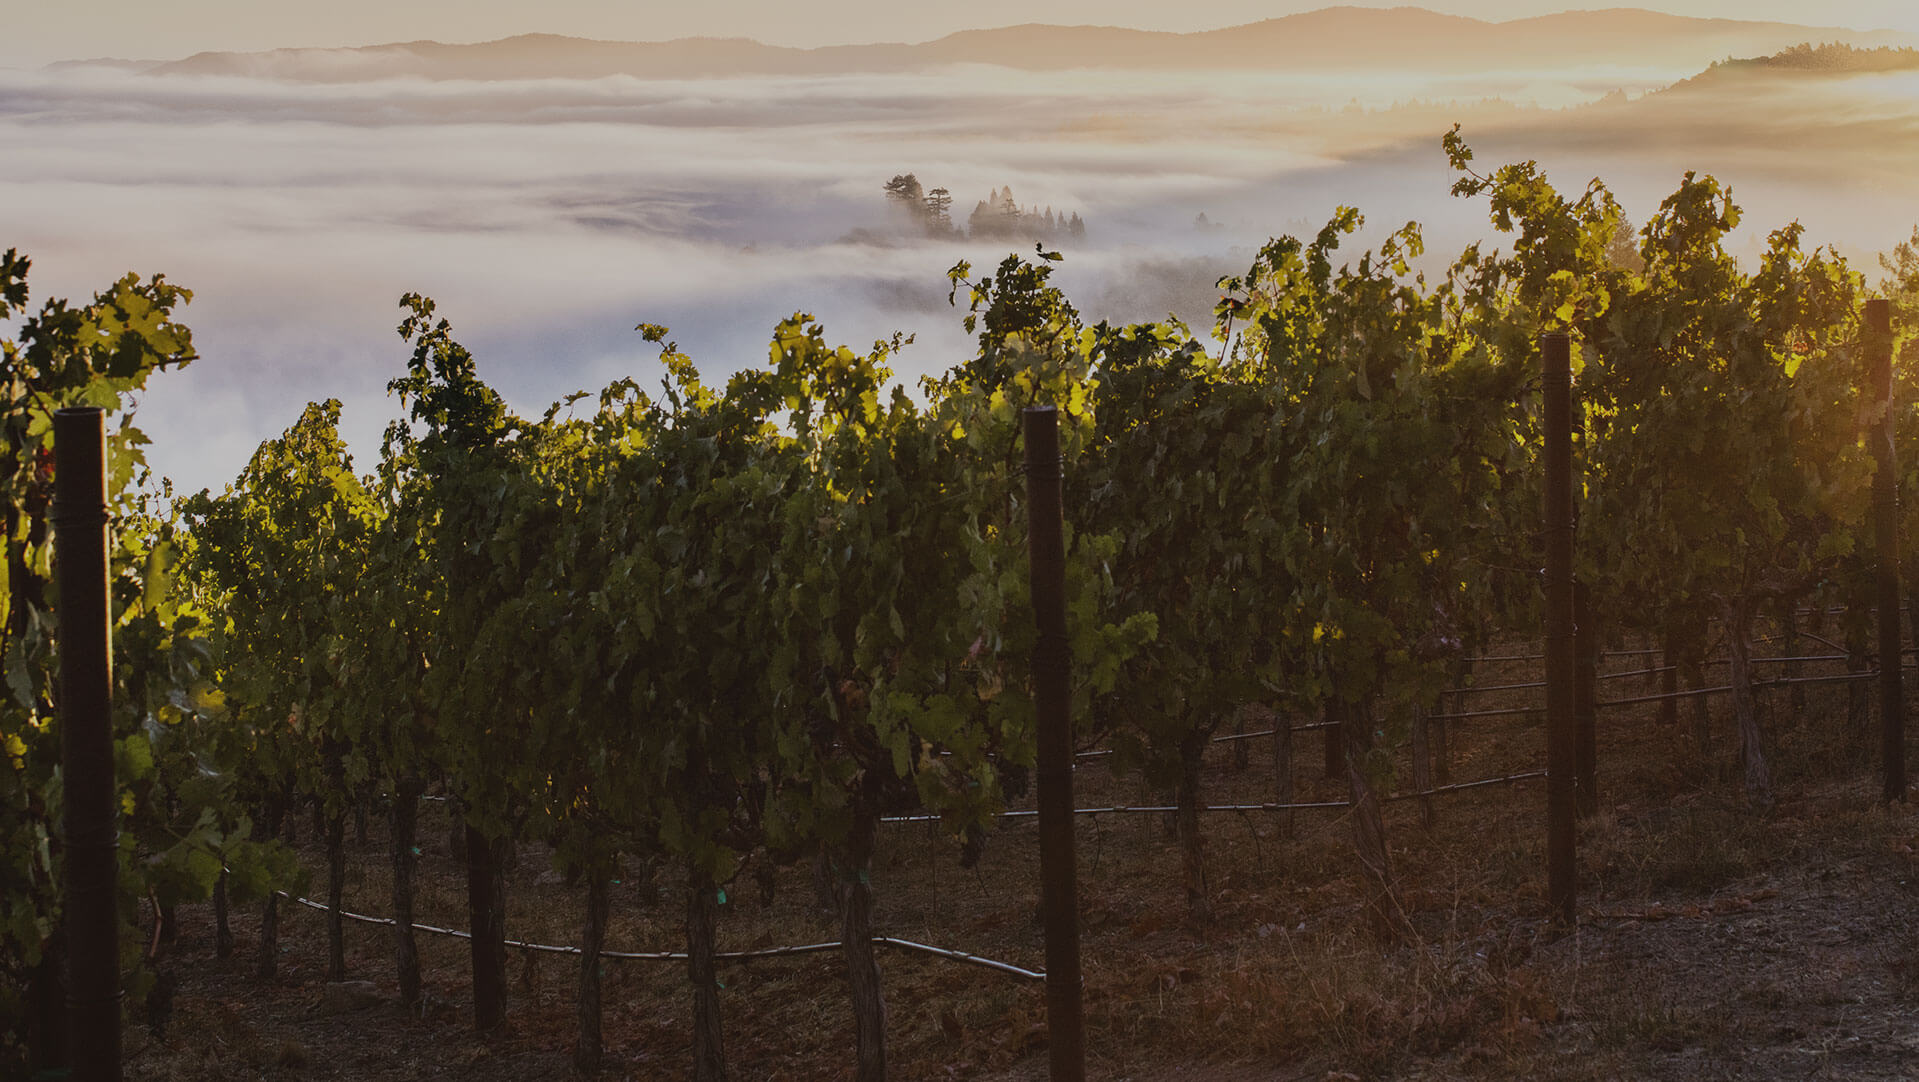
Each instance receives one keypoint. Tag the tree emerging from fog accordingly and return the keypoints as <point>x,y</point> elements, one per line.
<point>996,217</point>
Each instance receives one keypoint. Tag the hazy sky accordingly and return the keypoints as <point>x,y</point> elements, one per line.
<point>40,32</point>
<point>548,216</point>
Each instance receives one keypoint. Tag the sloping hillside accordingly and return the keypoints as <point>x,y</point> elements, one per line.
<point>1331,38</point>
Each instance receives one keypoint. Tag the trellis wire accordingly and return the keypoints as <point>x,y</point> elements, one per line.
<point>1712,661</point>
<point>1476,689</point>
<point>1654,650</point>
<point>1810,657</point>
<point>1777,682</point>
<point>1502,712</point>
<point>680,956</point>
<point>1101,753</point>
<point>1164,809</point>
<point>1515,711</point>
<point>1124,809</point>
<point>1837,611</point>
<point>1782,681</point>
<point>1542,657</point>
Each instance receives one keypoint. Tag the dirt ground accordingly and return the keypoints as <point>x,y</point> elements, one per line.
<point>1713,943</point>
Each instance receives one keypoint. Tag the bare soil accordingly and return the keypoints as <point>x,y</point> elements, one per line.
<point>1714,942</point>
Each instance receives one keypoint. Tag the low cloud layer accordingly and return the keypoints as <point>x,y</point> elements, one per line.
<point>549,216</point>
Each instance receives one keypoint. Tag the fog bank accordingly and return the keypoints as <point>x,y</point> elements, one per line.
<point>549,216</point>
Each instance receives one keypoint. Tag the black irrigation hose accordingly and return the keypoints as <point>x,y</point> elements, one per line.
<point>680,956</point>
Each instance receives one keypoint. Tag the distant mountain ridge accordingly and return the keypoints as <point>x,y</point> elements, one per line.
<point>1327,39</point>
<point>1827,59</point>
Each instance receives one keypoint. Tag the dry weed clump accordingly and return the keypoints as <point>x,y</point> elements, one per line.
<point>1903,963</point>
<point>1694,845</point>
<point>1284,994</point>
<point>1659,1026</point>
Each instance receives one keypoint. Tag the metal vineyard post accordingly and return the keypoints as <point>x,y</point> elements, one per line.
<point>86,683</point>
<point>1556,381</point>
<point>1052,662</point>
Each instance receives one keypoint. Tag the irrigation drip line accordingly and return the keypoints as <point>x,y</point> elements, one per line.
<point>1785,680</point>
<point>1464,785</point>
<point>1475,689</point>
<point>1663,696</point>
<point>959,956</point>
<point>1822,640</point>
<point>1500,713</point>
<point>1230,737</point>
<point>680,956</point>
<point>1811,657</point>
<point>1261,807</point>
<point>1635,672</point>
